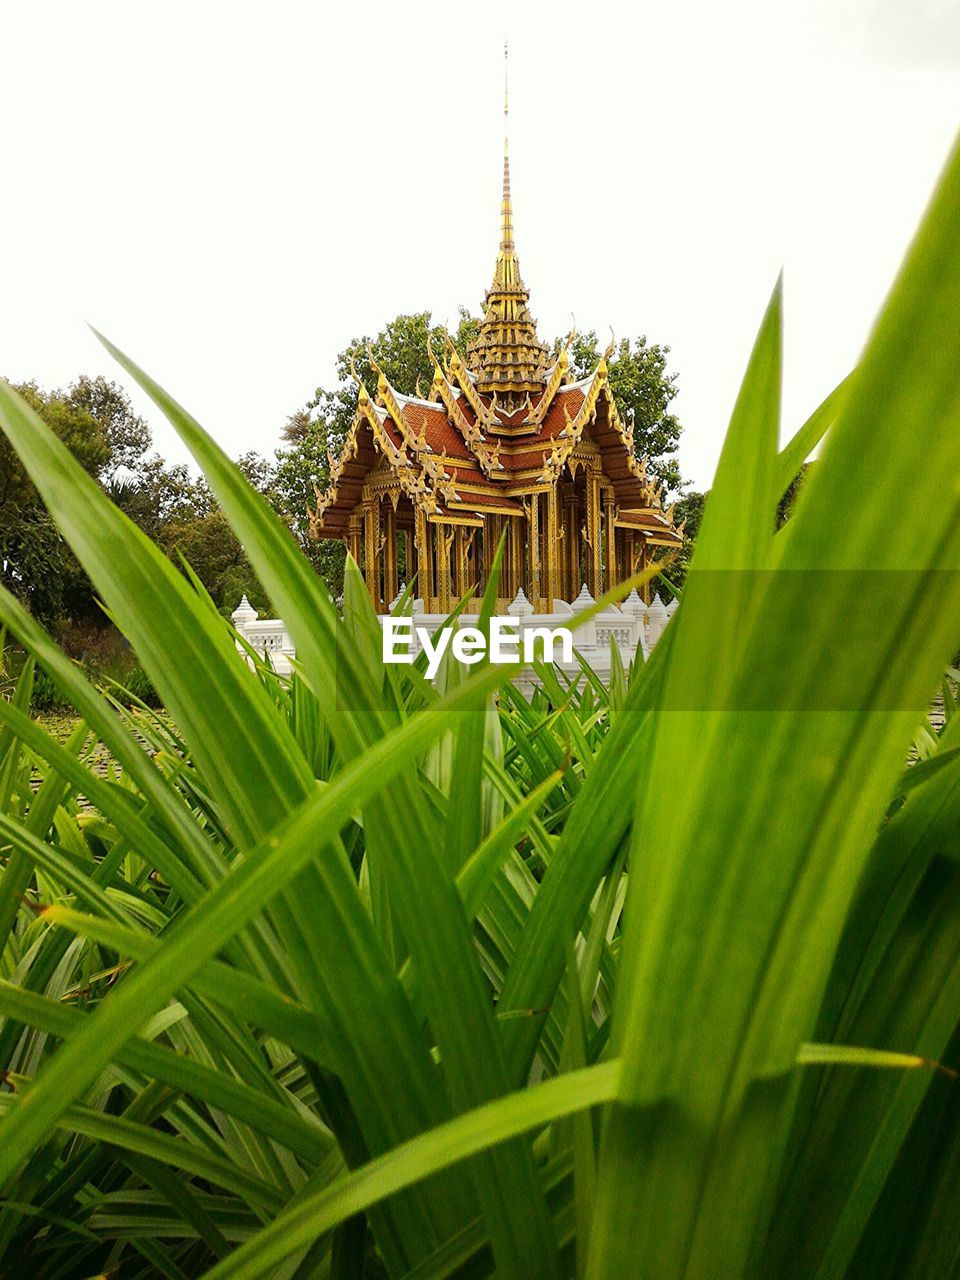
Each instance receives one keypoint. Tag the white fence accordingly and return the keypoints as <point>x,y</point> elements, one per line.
<point>632,626</point>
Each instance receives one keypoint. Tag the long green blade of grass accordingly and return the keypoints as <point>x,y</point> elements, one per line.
<point>472,1132</point>
<point>405,843</point>
<point>737,896</point>
<point>203,933</point>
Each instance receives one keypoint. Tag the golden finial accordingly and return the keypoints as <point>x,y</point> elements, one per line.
<point>506,205</point>
<point>449,355</point>
<point>506,355</point>
<point>440,380</point>
<point>383,383</point>
<point>506,83</point>
<point>364,394</point>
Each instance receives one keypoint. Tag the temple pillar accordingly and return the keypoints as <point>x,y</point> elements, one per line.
<point>421,539</point>
<point>641,559</point>
<point>355,536</point>
<point>471,575</point>
<point>571,548</point>
<point>442,540</point>
<point>491,537</point>
<point>611,576</point>
<point>635,554</point>
<point>551,551</point>
<point>507,576</point>
<point>594,549</point>
<point>460,586</point>
<point>533,541</point>
<point>515,555</point>
<point>391,582</point>
<point>371,549</point>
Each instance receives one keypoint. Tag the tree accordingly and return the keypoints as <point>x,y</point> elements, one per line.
<point>643,390</point>
<point>400,349</point>
<point>687,511</point>
<point>127,434</point>
<point>184,518</point>
<point>97,423</point>
<point>158,495</point>
<point>299,467</point>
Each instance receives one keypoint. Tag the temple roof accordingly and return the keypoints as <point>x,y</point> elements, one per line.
<point>452,453</point>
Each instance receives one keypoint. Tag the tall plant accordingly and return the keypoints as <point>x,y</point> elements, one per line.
<point>350,976</point>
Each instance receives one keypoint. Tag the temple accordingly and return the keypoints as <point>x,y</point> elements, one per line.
<point>504,441</point>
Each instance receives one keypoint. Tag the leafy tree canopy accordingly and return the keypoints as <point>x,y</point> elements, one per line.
<point>643,389</point>
<point>96,421</point>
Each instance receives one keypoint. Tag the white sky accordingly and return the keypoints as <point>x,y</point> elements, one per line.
<point>233,191</point>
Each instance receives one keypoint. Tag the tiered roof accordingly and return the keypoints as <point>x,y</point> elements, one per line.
<point>456,454</point>
<point>507,358</point>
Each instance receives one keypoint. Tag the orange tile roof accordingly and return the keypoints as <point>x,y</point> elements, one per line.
<point>519,453</point>
<point>440,432</point>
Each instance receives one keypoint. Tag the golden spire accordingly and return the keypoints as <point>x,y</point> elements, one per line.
<point>506,357</point>
<point>506,206</point>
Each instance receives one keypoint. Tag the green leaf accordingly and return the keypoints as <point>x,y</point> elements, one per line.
<point>468,1134</point>
<point>738,895</point>
<point>401,844</point>
<point>205,930</point>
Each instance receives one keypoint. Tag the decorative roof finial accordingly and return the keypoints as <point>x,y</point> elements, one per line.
<point>506,356</point>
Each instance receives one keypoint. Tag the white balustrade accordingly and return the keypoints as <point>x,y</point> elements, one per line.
<point>634,627</point>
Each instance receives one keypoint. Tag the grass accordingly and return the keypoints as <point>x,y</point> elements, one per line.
<point>352,976</point>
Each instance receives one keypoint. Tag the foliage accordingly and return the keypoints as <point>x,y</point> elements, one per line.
<point>349,975</point>
<point>96,422</point>
<point>104,656</point>
<point>108,406</point>
<point>643,390</point>
<point>194,531</point>
<point>302,467</point>
<point>400,349</point>
<point>687,513</point>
